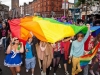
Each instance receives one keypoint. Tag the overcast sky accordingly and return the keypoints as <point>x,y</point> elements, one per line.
<point>8,2</point>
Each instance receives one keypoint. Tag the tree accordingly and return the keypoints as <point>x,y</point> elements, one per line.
<point>80,2</point>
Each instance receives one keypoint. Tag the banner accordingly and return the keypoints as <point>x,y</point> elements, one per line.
<point>64,4</point>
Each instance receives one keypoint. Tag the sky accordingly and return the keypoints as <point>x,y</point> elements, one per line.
<point>8,2</point>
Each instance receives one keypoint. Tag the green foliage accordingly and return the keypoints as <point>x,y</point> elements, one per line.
<point>79,3</point>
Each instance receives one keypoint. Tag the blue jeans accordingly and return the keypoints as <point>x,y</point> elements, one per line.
<point>4,43</point>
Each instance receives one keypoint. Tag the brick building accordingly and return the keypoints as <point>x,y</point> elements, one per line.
<point>48,7</point>
<point>45,8</point>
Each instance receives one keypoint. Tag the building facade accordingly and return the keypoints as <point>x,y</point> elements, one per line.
<point>4,11</point>
<point>14,4</point>
<point>45,8</point>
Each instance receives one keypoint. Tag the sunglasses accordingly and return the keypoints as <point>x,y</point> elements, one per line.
<point>16,39</point>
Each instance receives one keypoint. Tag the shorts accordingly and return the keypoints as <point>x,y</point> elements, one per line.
<point>30,63</point>
<point>63,58</point>
<point>57,54</point>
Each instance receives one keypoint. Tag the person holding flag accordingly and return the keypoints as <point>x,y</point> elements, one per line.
<point>77,50</point>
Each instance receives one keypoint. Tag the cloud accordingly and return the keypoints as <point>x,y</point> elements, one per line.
<point>6,2</point>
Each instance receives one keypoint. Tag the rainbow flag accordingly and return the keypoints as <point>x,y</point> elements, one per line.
<point>84,60</point>
<point>45,29</point>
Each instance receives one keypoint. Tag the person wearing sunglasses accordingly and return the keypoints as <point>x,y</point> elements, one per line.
<point>13,58</point>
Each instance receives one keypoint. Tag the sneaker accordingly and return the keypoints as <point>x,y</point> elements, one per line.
<point>27,70</point>
<point>32,74</point>
<point>59,65</point>
<point>44,73</point>
<point>54,73</point>
<point>50,68</point>
<point>66,73</point>
<point>18,73</point>
<point>41,72</point>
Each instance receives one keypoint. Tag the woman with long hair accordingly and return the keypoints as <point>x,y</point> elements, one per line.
<point>13,59</point>
<point>56,55</point>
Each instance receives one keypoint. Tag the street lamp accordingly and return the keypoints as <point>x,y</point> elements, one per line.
<point>65,8</point>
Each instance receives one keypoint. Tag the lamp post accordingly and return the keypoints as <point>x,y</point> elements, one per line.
<point>65,8</point>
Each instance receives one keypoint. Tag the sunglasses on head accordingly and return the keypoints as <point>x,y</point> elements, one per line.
<point>16,39</point>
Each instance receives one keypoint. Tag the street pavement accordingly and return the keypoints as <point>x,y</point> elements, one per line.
<point>6,71</point>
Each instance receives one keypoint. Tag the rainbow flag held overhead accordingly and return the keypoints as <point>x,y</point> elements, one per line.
<point>45,29</point>
<point>84,60</point>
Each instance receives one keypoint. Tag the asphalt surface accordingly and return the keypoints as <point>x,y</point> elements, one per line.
<point>6,70</point>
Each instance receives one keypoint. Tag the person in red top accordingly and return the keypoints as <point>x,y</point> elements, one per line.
<point>65,44</point>
<point>88,46</point>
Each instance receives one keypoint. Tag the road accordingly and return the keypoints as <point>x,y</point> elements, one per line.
<point>6,70</point>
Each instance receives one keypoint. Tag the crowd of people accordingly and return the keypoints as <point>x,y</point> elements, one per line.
<point>49,55</point>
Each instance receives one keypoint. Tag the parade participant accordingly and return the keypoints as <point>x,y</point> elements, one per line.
<point>96,61</point>
<point>40,47</point>
<point>98,57</point>
<point>94,64</point>
<point>77,50</point>
<point>9,38</point>
<point>65,44</point>
<point>30,58</point>
<point>57,55</point>
<point>13,59</point>
<point>88,46</point>
<point>47,58</point>
<point>4,32</point>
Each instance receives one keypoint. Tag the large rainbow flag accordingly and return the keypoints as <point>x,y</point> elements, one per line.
<point>84,60</point>
<point>45,29</point>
